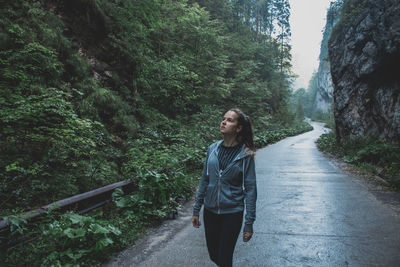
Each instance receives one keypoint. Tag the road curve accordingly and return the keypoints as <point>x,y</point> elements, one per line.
<point>309,213</point>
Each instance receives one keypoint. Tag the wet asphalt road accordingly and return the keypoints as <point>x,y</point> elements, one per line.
<point>309,213</point>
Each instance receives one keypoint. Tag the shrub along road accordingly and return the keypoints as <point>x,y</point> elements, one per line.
<point>309,213</point>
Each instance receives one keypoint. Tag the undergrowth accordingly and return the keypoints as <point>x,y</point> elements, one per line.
<point>373,155</point>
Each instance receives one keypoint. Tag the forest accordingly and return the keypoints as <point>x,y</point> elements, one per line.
<point>97,91</point>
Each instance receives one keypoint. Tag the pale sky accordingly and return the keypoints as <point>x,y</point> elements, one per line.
<point>307,21</point>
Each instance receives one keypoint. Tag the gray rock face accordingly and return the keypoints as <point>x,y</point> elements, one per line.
<point>324,95</point>
<point>364,53</point>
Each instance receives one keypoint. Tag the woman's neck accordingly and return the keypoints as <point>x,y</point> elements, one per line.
<point>230,140</point>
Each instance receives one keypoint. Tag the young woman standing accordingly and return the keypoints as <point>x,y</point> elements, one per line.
<point>227,188</point>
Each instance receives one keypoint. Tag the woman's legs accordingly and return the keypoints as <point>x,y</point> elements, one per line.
<point>230,229</point>
<point>212,226</point>
<point>222,231</point>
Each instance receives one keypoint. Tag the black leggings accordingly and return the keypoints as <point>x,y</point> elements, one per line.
<point>222,231</point>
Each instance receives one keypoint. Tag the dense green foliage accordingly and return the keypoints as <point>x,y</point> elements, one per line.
<point>303,100</point>
<point>374,155</point>
<point>71,238</point>
<point>270,137</point>
<point>98,91</point>
<point>82,81</point>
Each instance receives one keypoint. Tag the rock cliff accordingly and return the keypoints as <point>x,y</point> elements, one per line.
<point>364,52</point>
<point>323,98</point>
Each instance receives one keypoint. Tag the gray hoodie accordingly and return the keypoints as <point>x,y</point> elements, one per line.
<point>230,190</point>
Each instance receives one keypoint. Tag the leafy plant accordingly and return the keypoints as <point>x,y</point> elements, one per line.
<point>370,154</point>
<point>72,238</point>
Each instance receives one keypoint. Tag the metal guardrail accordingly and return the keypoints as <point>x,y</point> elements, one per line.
<point>83,203</point>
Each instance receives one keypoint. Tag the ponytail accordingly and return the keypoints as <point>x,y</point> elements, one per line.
<point>245,136</point>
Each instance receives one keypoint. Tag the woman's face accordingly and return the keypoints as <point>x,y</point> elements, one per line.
<point>229,124</point>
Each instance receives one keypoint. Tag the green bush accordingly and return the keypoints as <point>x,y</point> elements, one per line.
<point>369,154</point>
<point>327,143</point>
<point>74,239</point>
<point>269,137</point>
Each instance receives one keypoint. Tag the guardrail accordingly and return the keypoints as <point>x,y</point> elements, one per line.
<point>81,203</point>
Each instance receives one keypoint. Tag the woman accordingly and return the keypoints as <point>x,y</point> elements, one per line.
<point>227,185</point>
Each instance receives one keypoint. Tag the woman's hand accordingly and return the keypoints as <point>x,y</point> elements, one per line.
<point>196,221</point>
<point>247,236</point>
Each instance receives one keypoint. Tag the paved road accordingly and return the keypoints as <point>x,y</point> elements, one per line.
<point>309,213</point>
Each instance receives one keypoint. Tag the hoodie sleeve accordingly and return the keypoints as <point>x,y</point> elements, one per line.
<point>250,193</point>
<point>202,188</point>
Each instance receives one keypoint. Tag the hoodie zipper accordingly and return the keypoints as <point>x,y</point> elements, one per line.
<point>240,156</point>
<point>219,182</point>
<point>219,190</point>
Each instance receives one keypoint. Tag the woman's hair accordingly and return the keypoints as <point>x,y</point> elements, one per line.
<point>246,134</point>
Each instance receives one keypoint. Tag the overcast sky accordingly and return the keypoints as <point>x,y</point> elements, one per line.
<point>307,21</point>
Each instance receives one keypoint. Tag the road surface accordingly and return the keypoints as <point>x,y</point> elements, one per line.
<point>309,213</point>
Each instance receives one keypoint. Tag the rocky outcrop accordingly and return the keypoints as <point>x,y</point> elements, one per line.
<point>364,52</point>
<point>324,95</point>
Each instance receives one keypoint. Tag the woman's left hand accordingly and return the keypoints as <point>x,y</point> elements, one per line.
<point>247,236</point>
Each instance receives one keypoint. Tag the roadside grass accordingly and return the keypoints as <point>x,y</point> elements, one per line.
<point>371,155</point>
<point>270,137</point>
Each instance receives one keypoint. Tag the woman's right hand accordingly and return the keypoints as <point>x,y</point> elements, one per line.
<point>196,221</point>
